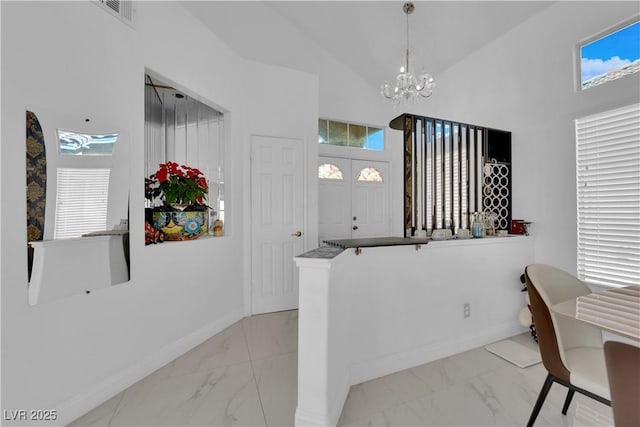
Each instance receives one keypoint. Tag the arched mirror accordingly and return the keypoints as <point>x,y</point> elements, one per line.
<point>77,205</point>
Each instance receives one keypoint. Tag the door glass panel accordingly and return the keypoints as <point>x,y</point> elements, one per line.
<point>329,171</point>
<point>369,175</point>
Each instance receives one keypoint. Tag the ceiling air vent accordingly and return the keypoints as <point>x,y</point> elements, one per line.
<point>122,9</point>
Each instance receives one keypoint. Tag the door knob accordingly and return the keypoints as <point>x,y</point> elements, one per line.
<point>355,227</point>
<point>297,233</point>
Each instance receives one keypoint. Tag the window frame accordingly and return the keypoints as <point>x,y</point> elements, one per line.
<point>348,124</point>
<point>595,237</point>
<point>601,34</point>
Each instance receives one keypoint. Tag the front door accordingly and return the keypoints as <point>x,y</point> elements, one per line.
<point>353,198</point>
<point>334,198</point>
<point>277,200</point>
<point>370,199</point>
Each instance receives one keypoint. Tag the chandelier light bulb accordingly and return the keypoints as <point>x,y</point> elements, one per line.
<point>408,88</point>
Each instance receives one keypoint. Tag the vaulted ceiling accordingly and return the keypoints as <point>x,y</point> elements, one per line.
<point>369,37</point>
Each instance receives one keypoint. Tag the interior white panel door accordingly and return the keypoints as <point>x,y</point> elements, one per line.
<point>277,200</point>
<point>334,196</point>
<point>370,201</point>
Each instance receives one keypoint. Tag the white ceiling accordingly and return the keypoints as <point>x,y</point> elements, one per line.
<point>369,37</point>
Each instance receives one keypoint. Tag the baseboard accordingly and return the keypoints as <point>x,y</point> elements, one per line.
<point>79,405</point>
<point>307,419</point>
<point>379,367</point>
<point>338,404</point>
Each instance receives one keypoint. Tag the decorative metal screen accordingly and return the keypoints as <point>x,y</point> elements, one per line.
<point>447,174</point>
<point>496,198</point>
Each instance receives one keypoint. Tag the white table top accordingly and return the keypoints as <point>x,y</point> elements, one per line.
<point>613,310</point>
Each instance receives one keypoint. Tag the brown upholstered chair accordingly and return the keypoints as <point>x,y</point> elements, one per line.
<point>571,350</point>
<point>623,369</point>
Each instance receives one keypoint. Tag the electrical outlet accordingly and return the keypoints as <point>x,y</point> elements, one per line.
<point>467,310</point>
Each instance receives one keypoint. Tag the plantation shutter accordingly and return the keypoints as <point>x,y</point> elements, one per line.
<point>81,201</point>
<point>608,191</point>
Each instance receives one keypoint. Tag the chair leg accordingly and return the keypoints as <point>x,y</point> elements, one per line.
<point>543,394</point>
<point>567,401</point>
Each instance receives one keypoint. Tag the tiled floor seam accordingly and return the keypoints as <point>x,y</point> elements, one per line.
<point>253,373</point>
<point>117,408</point>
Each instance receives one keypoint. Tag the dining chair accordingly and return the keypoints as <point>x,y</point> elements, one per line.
<point>623,370</point>
<point>571,350</point>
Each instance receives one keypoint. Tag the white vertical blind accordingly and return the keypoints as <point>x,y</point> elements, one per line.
<point>608,197</point>
<point>81,201</point>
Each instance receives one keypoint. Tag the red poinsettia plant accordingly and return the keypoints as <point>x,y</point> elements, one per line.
<point>177,185</point>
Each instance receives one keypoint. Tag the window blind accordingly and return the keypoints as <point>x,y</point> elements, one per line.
<point>81,201</point>
<point>608,197</point>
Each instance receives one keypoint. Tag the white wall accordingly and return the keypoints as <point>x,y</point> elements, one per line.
<point>524,82</point>
<point>73,57</point>
<point>391,308</point>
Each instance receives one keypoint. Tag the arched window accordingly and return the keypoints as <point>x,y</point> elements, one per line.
<point>329,171</point>
<point>369,175</point>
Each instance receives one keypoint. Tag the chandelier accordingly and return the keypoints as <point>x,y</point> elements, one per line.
<point>409,88</point>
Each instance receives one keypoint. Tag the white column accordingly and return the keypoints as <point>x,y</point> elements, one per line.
<point>313,344</point>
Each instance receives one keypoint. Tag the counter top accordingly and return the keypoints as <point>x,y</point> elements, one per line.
<point>376,241</point>
<point>323,252</point>
<point>335,247</point>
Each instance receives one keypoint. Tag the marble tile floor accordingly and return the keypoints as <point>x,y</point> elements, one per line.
<point>247,376</point>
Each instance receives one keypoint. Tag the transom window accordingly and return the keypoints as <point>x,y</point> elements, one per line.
<point>343,134</point>
<point>610,56</point>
